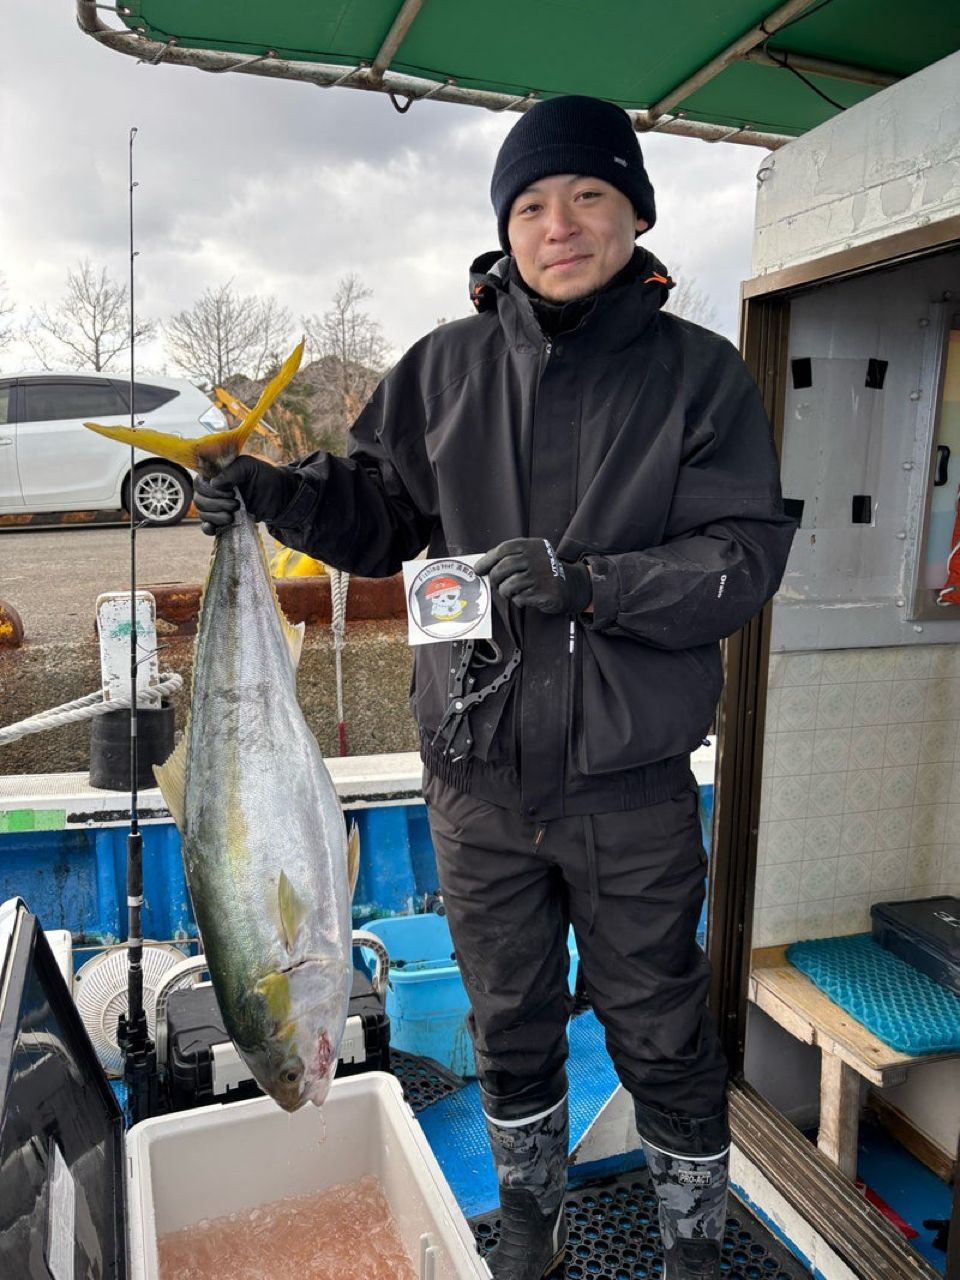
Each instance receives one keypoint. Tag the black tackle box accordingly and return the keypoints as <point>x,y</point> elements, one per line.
<point>202,1065</point>
<point>925,932</point>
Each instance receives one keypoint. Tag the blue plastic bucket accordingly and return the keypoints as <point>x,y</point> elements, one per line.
<point>426,1001</point>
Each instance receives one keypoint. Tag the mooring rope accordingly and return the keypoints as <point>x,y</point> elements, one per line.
<point>339,584</point>
<point>85,708</point>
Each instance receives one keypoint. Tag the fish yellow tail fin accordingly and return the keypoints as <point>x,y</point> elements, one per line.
<point>207,454</point>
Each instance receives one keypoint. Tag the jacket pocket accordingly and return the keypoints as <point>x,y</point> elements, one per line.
<point>634,704</point>
<point>428,685</point>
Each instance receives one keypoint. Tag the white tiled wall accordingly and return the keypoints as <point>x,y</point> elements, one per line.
<point>861,787</point>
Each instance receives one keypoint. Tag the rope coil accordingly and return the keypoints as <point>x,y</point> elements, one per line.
<point>85,708</point>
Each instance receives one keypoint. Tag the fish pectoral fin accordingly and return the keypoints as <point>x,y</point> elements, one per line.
<point>353,857</point>
<point>171,778</point>
<point>293,911</point>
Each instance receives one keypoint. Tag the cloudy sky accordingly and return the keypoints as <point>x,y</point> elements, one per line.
<point>284,188</point>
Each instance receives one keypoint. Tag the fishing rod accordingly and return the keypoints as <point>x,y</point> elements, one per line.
<point>133,1036</point>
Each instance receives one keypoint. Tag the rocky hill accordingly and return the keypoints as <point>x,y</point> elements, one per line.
<point>316,409</point>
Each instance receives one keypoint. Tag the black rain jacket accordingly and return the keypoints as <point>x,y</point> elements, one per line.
<point>638,443</point>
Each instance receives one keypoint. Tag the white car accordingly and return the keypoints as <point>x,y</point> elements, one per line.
<point>50,462</point>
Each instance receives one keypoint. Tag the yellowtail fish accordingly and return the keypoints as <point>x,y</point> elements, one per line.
<point>264,844</point>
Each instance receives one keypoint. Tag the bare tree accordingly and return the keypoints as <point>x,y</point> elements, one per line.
<point>89,327</point>
<point>350,346</point>
<point>6,310</point>
<point>687,299</point>
<point>223,335</point>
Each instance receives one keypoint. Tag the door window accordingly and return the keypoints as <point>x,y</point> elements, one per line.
<point>52,401</point>
<point>6,403</point>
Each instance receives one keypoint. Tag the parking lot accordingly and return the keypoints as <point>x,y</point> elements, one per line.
<point>52,577</point>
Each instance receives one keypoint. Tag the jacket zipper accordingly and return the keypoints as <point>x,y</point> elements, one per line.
<point>542,361</point>
<point>545,353</point>
<point>570,753</point>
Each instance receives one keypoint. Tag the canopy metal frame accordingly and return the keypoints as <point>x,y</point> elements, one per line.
<point>664,116</point>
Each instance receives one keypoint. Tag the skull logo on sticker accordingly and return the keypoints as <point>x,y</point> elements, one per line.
<point>446,601</point>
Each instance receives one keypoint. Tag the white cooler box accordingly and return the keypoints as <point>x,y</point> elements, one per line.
<point>238,1156</point>
<point>81,1198</point>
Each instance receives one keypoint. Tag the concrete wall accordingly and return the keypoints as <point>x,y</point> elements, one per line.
<point>886,165</point>
<point>376,674</point>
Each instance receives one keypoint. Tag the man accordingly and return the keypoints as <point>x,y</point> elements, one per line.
<point>615,466</point>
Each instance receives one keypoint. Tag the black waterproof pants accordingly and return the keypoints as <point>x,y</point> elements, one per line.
<point>632,885</point>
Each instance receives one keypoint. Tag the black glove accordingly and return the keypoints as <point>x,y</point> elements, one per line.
<point>266,491</point>
<point>527,572</point>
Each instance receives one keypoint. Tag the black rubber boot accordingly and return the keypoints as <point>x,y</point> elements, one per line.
<point>689,1174</point>
<point>531,1160</point>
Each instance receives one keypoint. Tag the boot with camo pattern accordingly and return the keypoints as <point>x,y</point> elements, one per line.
<point>691,1190</point>
<point>531,1160</point>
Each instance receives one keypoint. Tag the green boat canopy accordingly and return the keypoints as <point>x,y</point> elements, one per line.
<point>748,70</point>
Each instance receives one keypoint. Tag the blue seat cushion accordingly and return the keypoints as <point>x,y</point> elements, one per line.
<point>899,1004</point>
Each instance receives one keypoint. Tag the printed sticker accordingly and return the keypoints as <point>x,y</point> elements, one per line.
<point>446,600</point>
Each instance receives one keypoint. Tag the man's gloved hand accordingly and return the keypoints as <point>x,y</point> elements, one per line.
<point>266,491</point>
<point>527,572</point>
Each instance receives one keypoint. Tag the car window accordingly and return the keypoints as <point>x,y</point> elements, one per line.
<point>146,397</point>
<point>44,401</point>
<point>6,403</point>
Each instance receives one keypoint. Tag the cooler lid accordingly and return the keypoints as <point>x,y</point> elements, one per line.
<point>62,1214</point>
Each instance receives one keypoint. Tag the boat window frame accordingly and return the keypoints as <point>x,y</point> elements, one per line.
<point>924,607</point>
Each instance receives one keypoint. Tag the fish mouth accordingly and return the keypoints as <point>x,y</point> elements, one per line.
<point>295,1007</point>
<point>316,1092</point>
<point>291,1102</point>
<point>290,1095</point>
<point>309,1088</point>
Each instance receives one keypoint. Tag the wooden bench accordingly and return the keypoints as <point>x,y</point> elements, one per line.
<point>848,1051</point>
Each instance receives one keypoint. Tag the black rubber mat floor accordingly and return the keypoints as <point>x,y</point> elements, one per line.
<point>422,1079</point>
<point>614,1236</point>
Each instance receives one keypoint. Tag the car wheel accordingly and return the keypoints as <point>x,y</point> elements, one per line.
<point>161,493</point>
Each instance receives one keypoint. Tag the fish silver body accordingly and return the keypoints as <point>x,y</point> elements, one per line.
<point>264,845</point>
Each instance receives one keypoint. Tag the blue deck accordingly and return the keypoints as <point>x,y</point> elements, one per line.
<point>455,1127</point>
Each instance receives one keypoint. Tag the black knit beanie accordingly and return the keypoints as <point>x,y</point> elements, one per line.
<point>573,134</point>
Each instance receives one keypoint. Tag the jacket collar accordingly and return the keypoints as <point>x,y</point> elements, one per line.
<point>621,310</point>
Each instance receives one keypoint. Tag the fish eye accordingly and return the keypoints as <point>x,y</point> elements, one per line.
<point>291,1076</point>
